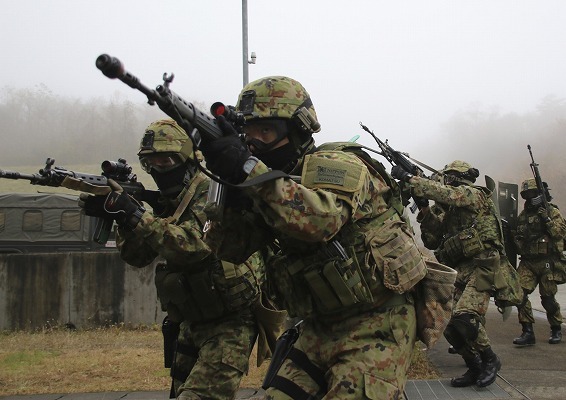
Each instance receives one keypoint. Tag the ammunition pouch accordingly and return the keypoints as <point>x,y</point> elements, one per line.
<point>464,244</point>
<point>324,281</point>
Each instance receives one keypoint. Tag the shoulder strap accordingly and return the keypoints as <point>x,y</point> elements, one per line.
<point>189,194</point>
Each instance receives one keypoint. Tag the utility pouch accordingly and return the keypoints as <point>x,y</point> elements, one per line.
<point>193,296</point>
<point>508,290</point>
<point>486,270</point>
<point>543,246</point>
<point>395,252</point>
<point>236,285</point>
<point>434,301</point>
<point>466,243</point>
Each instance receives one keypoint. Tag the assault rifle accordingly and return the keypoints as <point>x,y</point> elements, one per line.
<point>198,125</point>
<point>397,158</point>
<point>120,171</point>
<point>541,199</point>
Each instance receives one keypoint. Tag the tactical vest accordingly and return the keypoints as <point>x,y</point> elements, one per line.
<point>469,232</point>
<point>209,293</point>
<point>535,240</point>
<point>370,263</point>
<point>209,289</point>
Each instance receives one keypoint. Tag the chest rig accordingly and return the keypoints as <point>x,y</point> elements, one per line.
<point>469,232</point>
<point>535,241</point>
<point>368,264</point>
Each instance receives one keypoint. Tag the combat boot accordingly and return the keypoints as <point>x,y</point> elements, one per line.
<point>490,365</point>
<point>555,335</point>
<point>473,362</point>
<point>527,338</point>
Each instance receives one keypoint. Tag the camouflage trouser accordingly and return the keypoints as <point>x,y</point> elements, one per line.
<point>533,273</point>
<point>222,350</point>
<point>468,300</point>
<point>362,357</point>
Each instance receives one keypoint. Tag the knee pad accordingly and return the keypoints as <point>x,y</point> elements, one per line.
<point>549,304</point>
<point>461,329</point>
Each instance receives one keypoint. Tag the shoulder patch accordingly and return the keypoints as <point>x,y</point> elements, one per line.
<point>334,170</point>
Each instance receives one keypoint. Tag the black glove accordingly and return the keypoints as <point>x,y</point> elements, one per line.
<point>122,207</point>
<point>116,205</point>
<point>226,156</point>
<point>226,127</point>
<point>399,173</point>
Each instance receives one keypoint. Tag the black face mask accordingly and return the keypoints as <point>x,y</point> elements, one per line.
<point>280,157</point>
<point>171,183</point>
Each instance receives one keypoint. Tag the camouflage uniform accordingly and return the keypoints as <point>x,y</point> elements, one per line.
<point>539,238</point>
<point>212,299</point>
<point>359,324</point>
<point>464,230</point>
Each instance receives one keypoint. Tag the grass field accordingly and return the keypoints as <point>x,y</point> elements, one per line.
<point>114,358</point>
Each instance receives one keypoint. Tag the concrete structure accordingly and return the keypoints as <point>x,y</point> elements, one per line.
<point>85,289</point>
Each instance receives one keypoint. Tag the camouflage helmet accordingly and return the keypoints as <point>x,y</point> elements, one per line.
<point>460,172</point>
<point>278,97</point>
<point>166,136</point>
<point>458,166</point>
<point>529,184</point>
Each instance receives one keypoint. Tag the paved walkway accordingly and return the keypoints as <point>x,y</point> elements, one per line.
<point>535,372</point>
<point>531,373</point>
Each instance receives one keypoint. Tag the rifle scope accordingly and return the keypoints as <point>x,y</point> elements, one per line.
<point>118,168</point>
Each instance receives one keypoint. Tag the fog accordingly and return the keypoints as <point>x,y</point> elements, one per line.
<point>441,80</point>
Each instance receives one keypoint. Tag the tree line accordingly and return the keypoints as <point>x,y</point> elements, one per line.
<point>36,123</point>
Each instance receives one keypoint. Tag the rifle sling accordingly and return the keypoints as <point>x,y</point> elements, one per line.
<point>189,194</point>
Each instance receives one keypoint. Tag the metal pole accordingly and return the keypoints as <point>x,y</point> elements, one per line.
<point>245,40</point>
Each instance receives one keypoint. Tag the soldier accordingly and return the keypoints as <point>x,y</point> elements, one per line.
<point>347,258</point>
<point>211,299</point>
<point>539,239</point>
<point>463,228</point>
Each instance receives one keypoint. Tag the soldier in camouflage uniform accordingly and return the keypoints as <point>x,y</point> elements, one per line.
<point>539,239</point>
<point>347,258</point>
<point>463,228</point>
<point>211,299</point>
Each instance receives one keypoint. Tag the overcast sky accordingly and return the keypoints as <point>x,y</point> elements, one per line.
<point>401,67</point>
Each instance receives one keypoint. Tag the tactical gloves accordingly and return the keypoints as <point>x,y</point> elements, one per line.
<point>399,173</point>
<point>225,157</point>
<point>117,205</point>
<point>543,213</point>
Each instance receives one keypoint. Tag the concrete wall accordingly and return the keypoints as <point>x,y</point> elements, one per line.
<point>83,288</point>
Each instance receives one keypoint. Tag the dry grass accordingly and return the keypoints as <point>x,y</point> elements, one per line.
<point>105,359</point>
